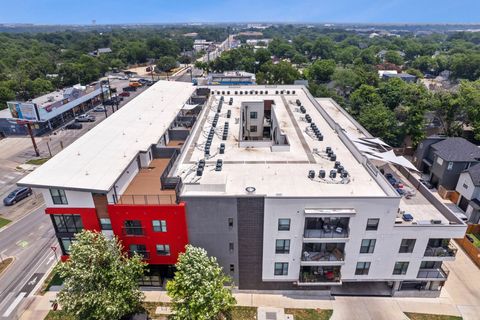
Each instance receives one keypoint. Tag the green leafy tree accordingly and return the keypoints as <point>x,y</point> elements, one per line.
<point>469,93</point>
<point>363,97</point>
<point>450,112</point>
<point>393,57</point>
<point>101,282</point>
<point>346,80</point>
<point>280,73</point>
<point>198,289</point>
<point>6,94</point>
<point>166,63</point>
<point>321,70</point>
<point>380,122</point>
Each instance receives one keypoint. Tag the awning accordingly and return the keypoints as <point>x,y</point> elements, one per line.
<point>331,212</point>
<point>390,157</point>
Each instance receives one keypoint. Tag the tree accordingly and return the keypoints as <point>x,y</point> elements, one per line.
<point>363,97</point>
<point>166,63</point>
<point>393,57</point>
<point>6,94</point>
<point>380,122</point>
<point>450,112</point>
<point>469,93</point>
<point>280,73</point>
<point>198,289</point>
<point>346,80</point>
<point>322,70</point>
<point>101,282</point>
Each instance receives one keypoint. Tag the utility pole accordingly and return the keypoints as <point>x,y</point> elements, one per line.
<point>29,129</point>
<point>103,99</point>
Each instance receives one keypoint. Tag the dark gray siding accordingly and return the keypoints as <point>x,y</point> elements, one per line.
<point>207,224</point>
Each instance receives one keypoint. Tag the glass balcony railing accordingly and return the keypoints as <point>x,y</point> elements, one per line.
<point>435,273</point>
<point>326,228</point>
<point>310,275</point>
<point>446,250</point>
<point>321,252</point>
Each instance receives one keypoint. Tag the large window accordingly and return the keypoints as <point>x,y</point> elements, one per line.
<point>163,249</point>
<point>253,128</point>
<point>65,243</point>
<point>133,227</point>
<point>407,245</point>
<point>400,268</point>
<point>362,268</point>
<point>68,223</point>
<point>283,224</point>
<point>58,196</point>
<point>159,225</point>
<point>372,224</point>
<point>140,249</point>
<point>253,115</point>
<point>281,268</point>
<point>368,246</point>
<point>282,246</point>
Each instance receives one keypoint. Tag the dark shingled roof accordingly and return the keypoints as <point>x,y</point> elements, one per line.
<point>474,172</point>
<point>457,149</point>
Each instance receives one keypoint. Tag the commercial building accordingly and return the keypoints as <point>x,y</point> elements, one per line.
<point>49,111</point>
<point>235,78</point>
<point>265,178</point>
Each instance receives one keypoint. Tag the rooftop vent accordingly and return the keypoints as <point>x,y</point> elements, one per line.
<point>250,189</point>
<point>311,174</point>
<point>333,174</point>
<point>321,174</point>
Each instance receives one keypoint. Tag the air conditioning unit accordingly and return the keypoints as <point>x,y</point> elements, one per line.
<point>435,221</point>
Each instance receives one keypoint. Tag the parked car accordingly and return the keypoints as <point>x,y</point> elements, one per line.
<point>17,195</point>
<point>108,102</point>
<point>99,108</point>
<point>426,183</point>
<point>469,238</point>
<point>124,94</point>
<point>74,126</point>
<point>85,118</point>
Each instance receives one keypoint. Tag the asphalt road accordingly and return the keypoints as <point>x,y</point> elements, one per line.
<point>29,240</point>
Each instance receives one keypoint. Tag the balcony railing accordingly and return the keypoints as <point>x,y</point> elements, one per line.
<point>147,199</point>
<point>325,277</point>
<point>327,232</point>
<point>443,251</point>
<point>133,231</point>
<point>334,255</point>
<point>436,273</point>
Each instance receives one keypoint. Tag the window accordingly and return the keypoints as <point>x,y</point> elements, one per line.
<point>140,249</point>
<point>230,246</point>
<point>159,225</point>
<point>450,166</point>
<point>65,244</point>
<point>283,224</point>
<point>67,223</point>
<point>253,128</point>
<point>106,224</point>
<point>281,268</point>
<point>430,264</point>
<point>368,245</point>
<point>58,196</point>
<point>232,268</point>
<point>230,222</point>
<point>163,249</point>
<point>362,268</point>
<point>372,224</point>
<point>253,115</point>
<point>133,228</point>
<point>282,246</point>
<point>400,268</point>
<point>407,245</point>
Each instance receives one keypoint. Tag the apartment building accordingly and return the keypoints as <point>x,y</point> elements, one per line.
<point>265,178</point>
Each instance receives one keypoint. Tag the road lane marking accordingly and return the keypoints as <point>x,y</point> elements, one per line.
<point>22,243</point>
<point>14,304</point>
<point>50,260</point>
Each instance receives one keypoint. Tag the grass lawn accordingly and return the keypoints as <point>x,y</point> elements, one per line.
<point>150,307</point>
<point>423,316</point>
<point>57,315</point>
<point>5,263</point>
<point>4,222</point>
<point>476,239</point>
<point>244,313</point>
<point>53,279</point>
<point>309,314</point>
<point>37,162</point>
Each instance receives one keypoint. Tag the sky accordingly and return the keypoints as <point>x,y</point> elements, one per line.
<point>297,11</point>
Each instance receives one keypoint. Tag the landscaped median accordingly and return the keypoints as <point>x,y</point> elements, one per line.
<point>4,263</point>
<point>424,316</point>
<point>4,222</point>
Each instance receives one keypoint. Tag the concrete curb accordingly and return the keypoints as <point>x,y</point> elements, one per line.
<point>9,266</point>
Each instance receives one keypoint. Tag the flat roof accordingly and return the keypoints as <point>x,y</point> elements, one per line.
<point>98,158</point>
<point>271,173</point>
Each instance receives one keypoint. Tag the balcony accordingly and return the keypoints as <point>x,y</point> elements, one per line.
<point>148,199</point>
<point>323,252</point>
<point>316,275</point>
<point>440,273</point>
<point>133,231</point>
<point>145,255</point>
<point>440,248</point>
<point>326,228</point>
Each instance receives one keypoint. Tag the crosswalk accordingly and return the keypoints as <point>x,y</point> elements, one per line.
<point>10,177</point>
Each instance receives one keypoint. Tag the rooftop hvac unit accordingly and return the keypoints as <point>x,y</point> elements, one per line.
<point>201,163</point>
<point>340,168</point>
<point>344,174</point>
<point>328,149</point>
<point>302,109</point>
<point>333,157</point>
<point>222,148</point>
<point>298,102</point>
<point>337,163</point>
<point>321,174</point>
<point>320,137</point>
<point>311,174</point>
<point>229,113</point>
<point>199,171</point>
<point>434,221</point>
<point>333,174</point>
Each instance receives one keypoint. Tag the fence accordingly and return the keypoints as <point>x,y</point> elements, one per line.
<point>147,199</point>
<point>470,249</point>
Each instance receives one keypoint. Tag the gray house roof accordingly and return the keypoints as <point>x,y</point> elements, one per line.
<point>457,149</point>
<point>474,172</point>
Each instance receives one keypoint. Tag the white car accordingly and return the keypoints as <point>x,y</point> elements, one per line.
<point>99,109</point>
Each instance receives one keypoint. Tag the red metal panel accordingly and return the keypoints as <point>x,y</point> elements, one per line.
<point>176,236</point>
<point>89,216</point>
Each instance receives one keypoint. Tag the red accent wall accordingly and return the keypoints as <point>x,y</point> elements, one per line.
<point>176,235</point>
<point>89,216</point>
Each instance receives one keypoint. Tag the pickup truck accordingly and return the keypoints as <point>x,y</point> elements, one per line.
<point>85,118</point>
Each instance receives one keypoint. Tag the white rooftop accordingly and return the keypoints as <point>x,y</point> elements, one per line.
<point>98,158</point>
<point>271,173</point>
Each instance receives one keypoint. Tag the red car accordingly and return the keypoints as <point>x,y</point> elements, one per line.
<point>124,94</point>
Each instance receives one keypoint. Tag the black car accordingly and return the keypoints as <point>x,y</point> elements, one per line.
<point>74,126</point>
<point>17,195</point>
